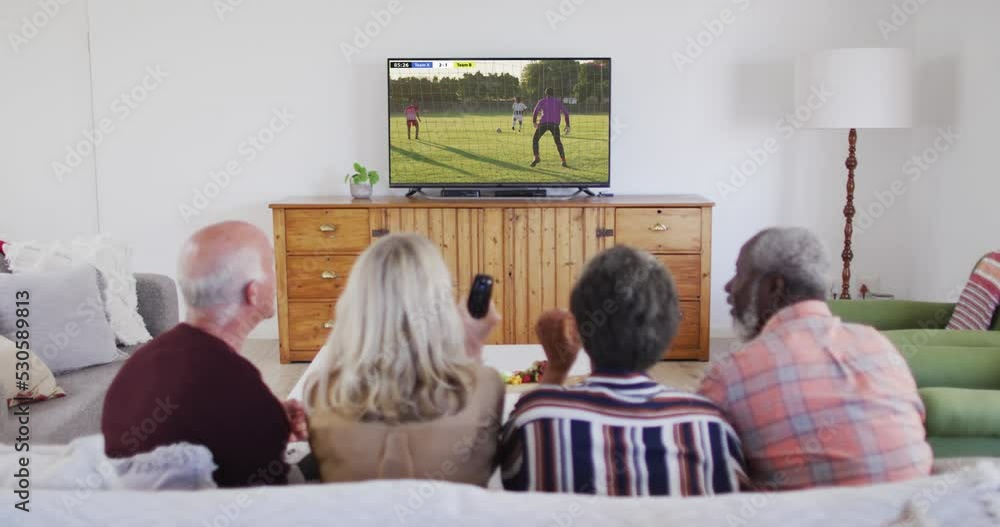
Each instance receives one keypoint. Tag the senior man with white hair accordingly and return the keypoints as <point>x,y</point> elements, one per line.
<point>815,401</point>
<point>191,384</point>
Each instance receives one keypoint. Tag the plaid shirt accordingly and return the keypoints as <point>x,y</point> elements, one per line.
<point>620,434</point>
<point>820,402</point>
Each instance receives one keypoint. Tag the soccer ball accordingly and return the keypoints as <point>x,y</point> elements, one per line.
<point>499,130</point>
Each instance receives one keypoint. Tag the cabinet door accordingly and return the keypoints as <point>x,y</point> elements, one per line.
<point>470,241</point>
<point>546,250</point>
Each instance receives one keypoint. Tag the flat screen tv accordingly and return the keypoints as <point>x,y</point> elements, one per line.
<point>510,122</point>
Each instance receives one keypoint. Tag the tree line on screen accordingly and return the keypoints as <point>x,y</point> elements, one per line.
<point>588,82</point>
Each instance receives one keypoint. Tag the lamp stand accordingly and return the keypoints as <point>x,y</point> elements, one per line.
<point>848,254</point>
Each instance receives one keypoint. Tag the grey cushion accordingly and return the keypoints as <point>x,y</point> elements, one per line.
<point>157,302</point>
<point>67,321</point>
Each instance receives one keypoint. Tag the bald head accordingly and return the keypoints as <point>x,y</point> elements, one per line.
<point>226,267</point>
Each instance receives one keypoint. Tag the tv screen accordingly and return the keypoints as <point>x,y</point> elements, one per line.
<point>499,122</point>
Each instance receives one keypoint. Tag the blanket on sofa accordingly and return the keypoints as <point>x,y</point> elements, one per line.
<point>980,298</point>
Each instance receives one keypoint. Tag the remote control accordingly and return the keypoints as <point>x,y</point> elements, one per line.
<point>479,295</point>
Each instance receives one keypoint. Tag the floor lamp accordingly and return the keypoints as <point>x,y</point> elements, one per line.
<point>854,89</point>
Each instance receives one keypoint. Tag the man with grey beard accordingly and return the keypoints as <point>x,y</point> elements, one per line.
<point>815,401</point>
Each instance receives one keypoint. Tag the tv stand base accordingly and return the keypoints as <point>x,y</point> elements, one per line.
<point>459,193</point>
<point>520,193</point>
<point>584,190</point>
<point>414,191</point>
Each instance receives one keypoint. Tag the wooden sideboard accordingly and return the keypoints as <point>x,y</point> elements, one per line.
<point>534,248</point>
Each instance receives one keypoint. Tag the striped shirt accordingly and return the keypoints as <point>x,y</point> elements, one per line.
<point>619,434</point>
<point>819,402</point>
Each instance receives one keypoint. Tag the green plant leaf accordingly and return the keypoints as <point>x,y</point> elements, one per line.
<point>358,167</point>
<point>373,177</point>
<point>347,177</point>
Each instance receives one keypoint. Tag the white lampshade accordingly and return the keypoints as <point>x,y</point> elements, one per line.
<point>861,88</point>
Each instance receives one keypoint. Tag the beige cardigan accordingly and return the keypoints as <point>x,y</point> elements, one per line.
<point>459,448</point>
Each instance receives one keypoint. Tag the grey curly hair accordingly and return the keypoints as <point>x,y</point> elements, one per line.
<point>625,306</point>
<point>795,254</point>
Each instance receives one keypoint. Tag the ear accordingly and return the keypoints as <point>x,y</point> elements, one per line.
<point>776,286</point>
<point>252,293</point>
<point>772,297</point>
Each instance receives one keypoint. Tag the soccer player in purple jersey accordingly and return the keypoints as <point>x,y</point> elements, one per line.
<point>551,108</point>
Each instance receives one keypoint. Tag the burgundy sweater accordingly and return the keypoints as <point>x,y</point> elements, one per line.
<point>187,385</point>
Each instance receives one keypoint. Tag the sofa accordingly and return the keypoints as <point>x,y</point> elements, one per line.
<point>957,372</point>
<point>59,421</point>
<point>966,493</point>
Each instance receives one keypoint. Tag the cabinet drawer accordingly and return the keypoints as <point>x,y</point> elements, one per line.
<point>307,323</point>
<point>686,269</point>
<point>318,277</point>
<point>326,230</point>
<point>659,230</point>
<point>689,334</point>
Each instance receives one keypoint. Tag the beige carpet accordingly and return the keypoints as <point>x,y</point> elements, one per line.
<point>281,378</point>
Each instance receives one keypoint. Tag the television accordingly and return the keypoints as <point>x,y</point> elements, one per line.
<point>499,122</point>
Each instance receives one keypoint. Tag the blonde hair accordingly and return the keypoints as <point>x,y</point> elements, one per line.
<point>396,352</point>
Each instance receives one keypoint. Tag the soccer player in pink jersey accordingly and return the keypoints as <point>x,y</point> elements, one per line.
<point>412,118</point>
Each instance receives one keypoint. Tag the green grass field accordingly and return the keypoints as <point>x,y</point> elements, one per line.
<point>466,148</point>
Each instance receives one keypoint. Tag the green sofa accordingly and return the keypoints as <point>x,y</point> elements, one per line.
<point>958,372</point>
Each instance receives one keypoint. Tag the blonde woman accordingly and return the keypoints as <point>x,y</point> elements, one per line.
<point>400,390</point>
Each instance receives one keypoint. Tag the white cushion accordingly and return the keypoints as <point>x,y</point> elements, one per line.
<point>39,383</point>
<point>112,259</point>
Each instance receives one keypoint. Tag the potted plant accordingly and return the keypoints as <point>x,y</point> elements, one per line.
<point>362,181</point>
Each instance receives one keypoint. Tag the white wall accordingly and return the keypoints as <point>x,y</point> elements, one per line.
<point>681,131</point>
<point>44,106</point>
<point>953,204</point>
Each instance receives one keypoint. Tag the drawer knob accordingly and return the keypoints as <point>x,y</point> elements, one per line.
<point>328,324</point>
<point>326,227</point>
<point>659,227</point>
<point>329,275</point>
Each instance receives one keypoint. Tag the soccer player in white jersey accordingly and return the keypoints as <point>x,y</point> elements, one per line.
<point>518,118</point>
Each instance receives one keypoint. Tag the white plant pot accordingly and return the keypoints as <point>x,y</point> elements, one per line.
<point>361,190</point>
